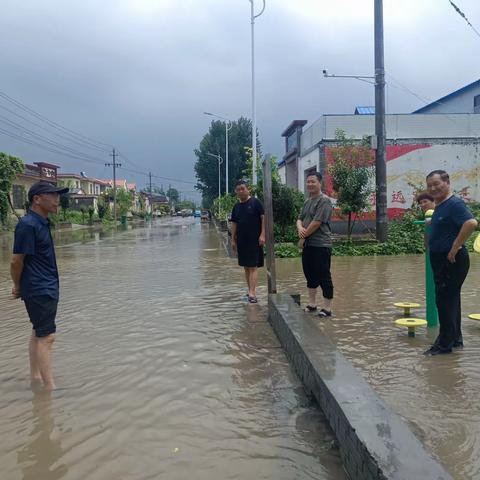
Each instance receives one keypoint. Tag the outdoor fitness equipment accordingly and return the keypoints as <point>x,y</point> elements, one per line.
<point>476,244</point>
<point>406,306</point>
<point>411,324</point>
<point>432,313</point>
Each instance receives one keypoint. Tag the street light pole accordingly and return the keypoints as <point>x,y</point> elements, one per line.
<point>220,160</point>
<point>254,113</point>
<point>228,127</point>
<point>380,130</point>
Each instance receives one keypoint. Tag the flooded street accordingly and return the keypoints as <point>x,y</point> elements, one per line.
<point>165,372</point>
<point>438,396</point>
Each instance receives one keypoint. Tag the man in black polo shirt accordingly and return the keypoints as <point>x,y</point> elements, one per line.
<point>35,277</point>
<point>452,224</point>
<point>248,236</point>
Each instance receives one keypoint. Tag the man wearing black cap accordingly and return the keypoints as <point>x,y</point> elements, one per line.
<point>35,277</point>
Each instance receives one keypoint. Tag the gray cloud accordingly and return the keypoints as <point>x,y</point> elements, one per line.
<point>139,73</point>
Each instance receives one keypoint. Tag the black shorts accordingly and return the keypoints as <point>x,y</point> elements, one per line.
<point>42,311</point>
<point>250,255</point>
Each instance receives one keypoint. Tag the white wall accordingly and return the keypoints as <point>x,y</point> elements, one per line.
<point>461,103</point>
<point>305,163</point>
<point>404,126</point>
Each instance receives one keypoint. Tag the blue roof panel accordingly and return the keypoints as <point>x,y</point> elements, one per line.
<point>365,111</point>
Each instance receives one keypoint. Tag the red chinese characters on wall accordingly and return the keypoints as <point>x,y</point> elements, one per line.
<point>398,197</point>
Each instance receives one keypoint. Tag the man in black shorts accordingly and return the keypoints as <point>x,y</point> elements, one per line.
<point>248,236</point>
<point>35,277</point>
<point>313,226</point>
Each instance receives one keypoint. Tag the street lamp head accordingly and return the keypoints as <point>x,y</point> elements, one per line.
<point>325,73</point>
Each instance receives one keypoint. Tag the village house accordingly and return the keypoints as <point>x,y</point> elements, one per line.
<point>31,174</point>
<point>442,135</point>
<point>84,190</point>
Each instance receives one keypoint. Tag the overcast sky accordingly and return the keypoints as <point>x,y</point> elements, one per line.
<point>138,74</point>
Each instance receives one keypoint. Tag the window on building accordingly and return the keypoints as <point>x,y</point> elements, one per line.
<point>476,104</point>
<point>291,141</point>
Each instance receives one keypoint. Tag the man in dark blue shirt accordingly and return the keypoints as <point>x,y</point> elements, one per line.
<point>452,224</point>
<point>35,277</point>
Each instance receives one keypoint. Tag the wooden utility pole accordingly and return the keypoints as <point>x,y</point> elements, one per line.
<point>269,236</point>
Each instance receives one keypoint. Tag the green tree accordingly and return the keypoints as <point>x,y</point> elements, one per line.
<point>10,167</point>
<point>64,205</point>
<point>124,201</point>
<point>206,167</point>
<point>173,195</point>
<point>352,175</point>
<point>287,202</point>
<point>185,204</point>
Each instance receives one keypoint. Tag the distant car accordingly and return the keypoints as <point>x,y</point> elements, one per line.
<point>205,216</point>
<point>197,214</point>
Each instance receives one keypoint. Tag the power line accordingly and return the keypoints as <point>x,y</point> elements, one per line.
<point>47,140</point>
<point>464,17</point>
<point>39,145</point>
<point>82,144</point>
<point>53,124</point>
<point>50,145</point>
<point>146,174</point>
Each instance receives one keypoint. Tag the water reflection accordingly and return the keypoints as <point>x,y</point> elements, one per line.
<point>175,376</point>
<point>42,456</point>
<point>438,397</point>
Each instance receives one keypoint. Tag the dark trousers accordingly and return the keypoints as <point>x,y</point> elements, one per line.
<point>449,278</point>
<point>316,263</point>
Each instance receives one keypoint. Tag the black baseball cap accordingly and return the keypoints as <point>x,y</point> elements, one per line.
<point>45,187</point>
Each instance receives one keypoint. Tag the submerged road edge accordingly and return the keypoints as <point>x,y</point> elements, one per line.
<point>375,443</point>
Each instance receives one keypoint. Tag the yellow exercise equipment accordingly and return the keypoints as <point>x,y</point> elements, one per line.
<point>476,244</point>
<point>406,306</point>
<point>411,324</point>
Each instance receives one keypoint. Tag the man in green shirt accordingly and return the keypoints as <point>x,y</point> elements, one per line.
<point>313,226</point>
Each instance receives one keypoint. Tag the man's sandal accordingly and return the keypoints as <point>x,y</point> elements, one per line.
<point>324,313</point>
<point>310,308</point>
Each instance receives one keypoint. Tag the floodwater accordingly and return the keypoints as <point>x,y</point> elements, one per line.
<point>165,372</point>
<point>438,396</point>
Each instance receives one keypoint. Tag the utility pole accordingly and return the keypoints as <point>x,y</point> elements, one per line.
<point>270,238</point>
<point>150,201</point>
<point>114,164</point>
<point>380,129</point>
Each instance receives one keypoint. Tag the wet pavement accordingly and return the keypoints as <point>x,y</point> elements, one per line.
<point>437,396</point>
<point>164,370</point>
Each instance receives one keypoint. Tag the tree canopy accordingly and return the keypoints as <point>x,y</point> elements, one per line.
<point>10,167</point>
<point>352,175</point>
<point>206,166</point>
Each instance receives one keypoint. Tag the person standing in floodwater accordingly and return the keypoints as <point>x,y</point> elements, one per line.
<point>451,226</point>
<point>35,277</point>
<point>313,226</point>
<point>248,235</point>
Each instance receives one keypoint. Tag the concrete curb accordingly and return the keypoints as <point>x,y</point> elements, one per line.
<point>375,443</point>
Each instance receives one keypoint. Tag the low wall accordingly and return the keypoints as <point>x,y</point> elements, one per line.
<point>374,442</point>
